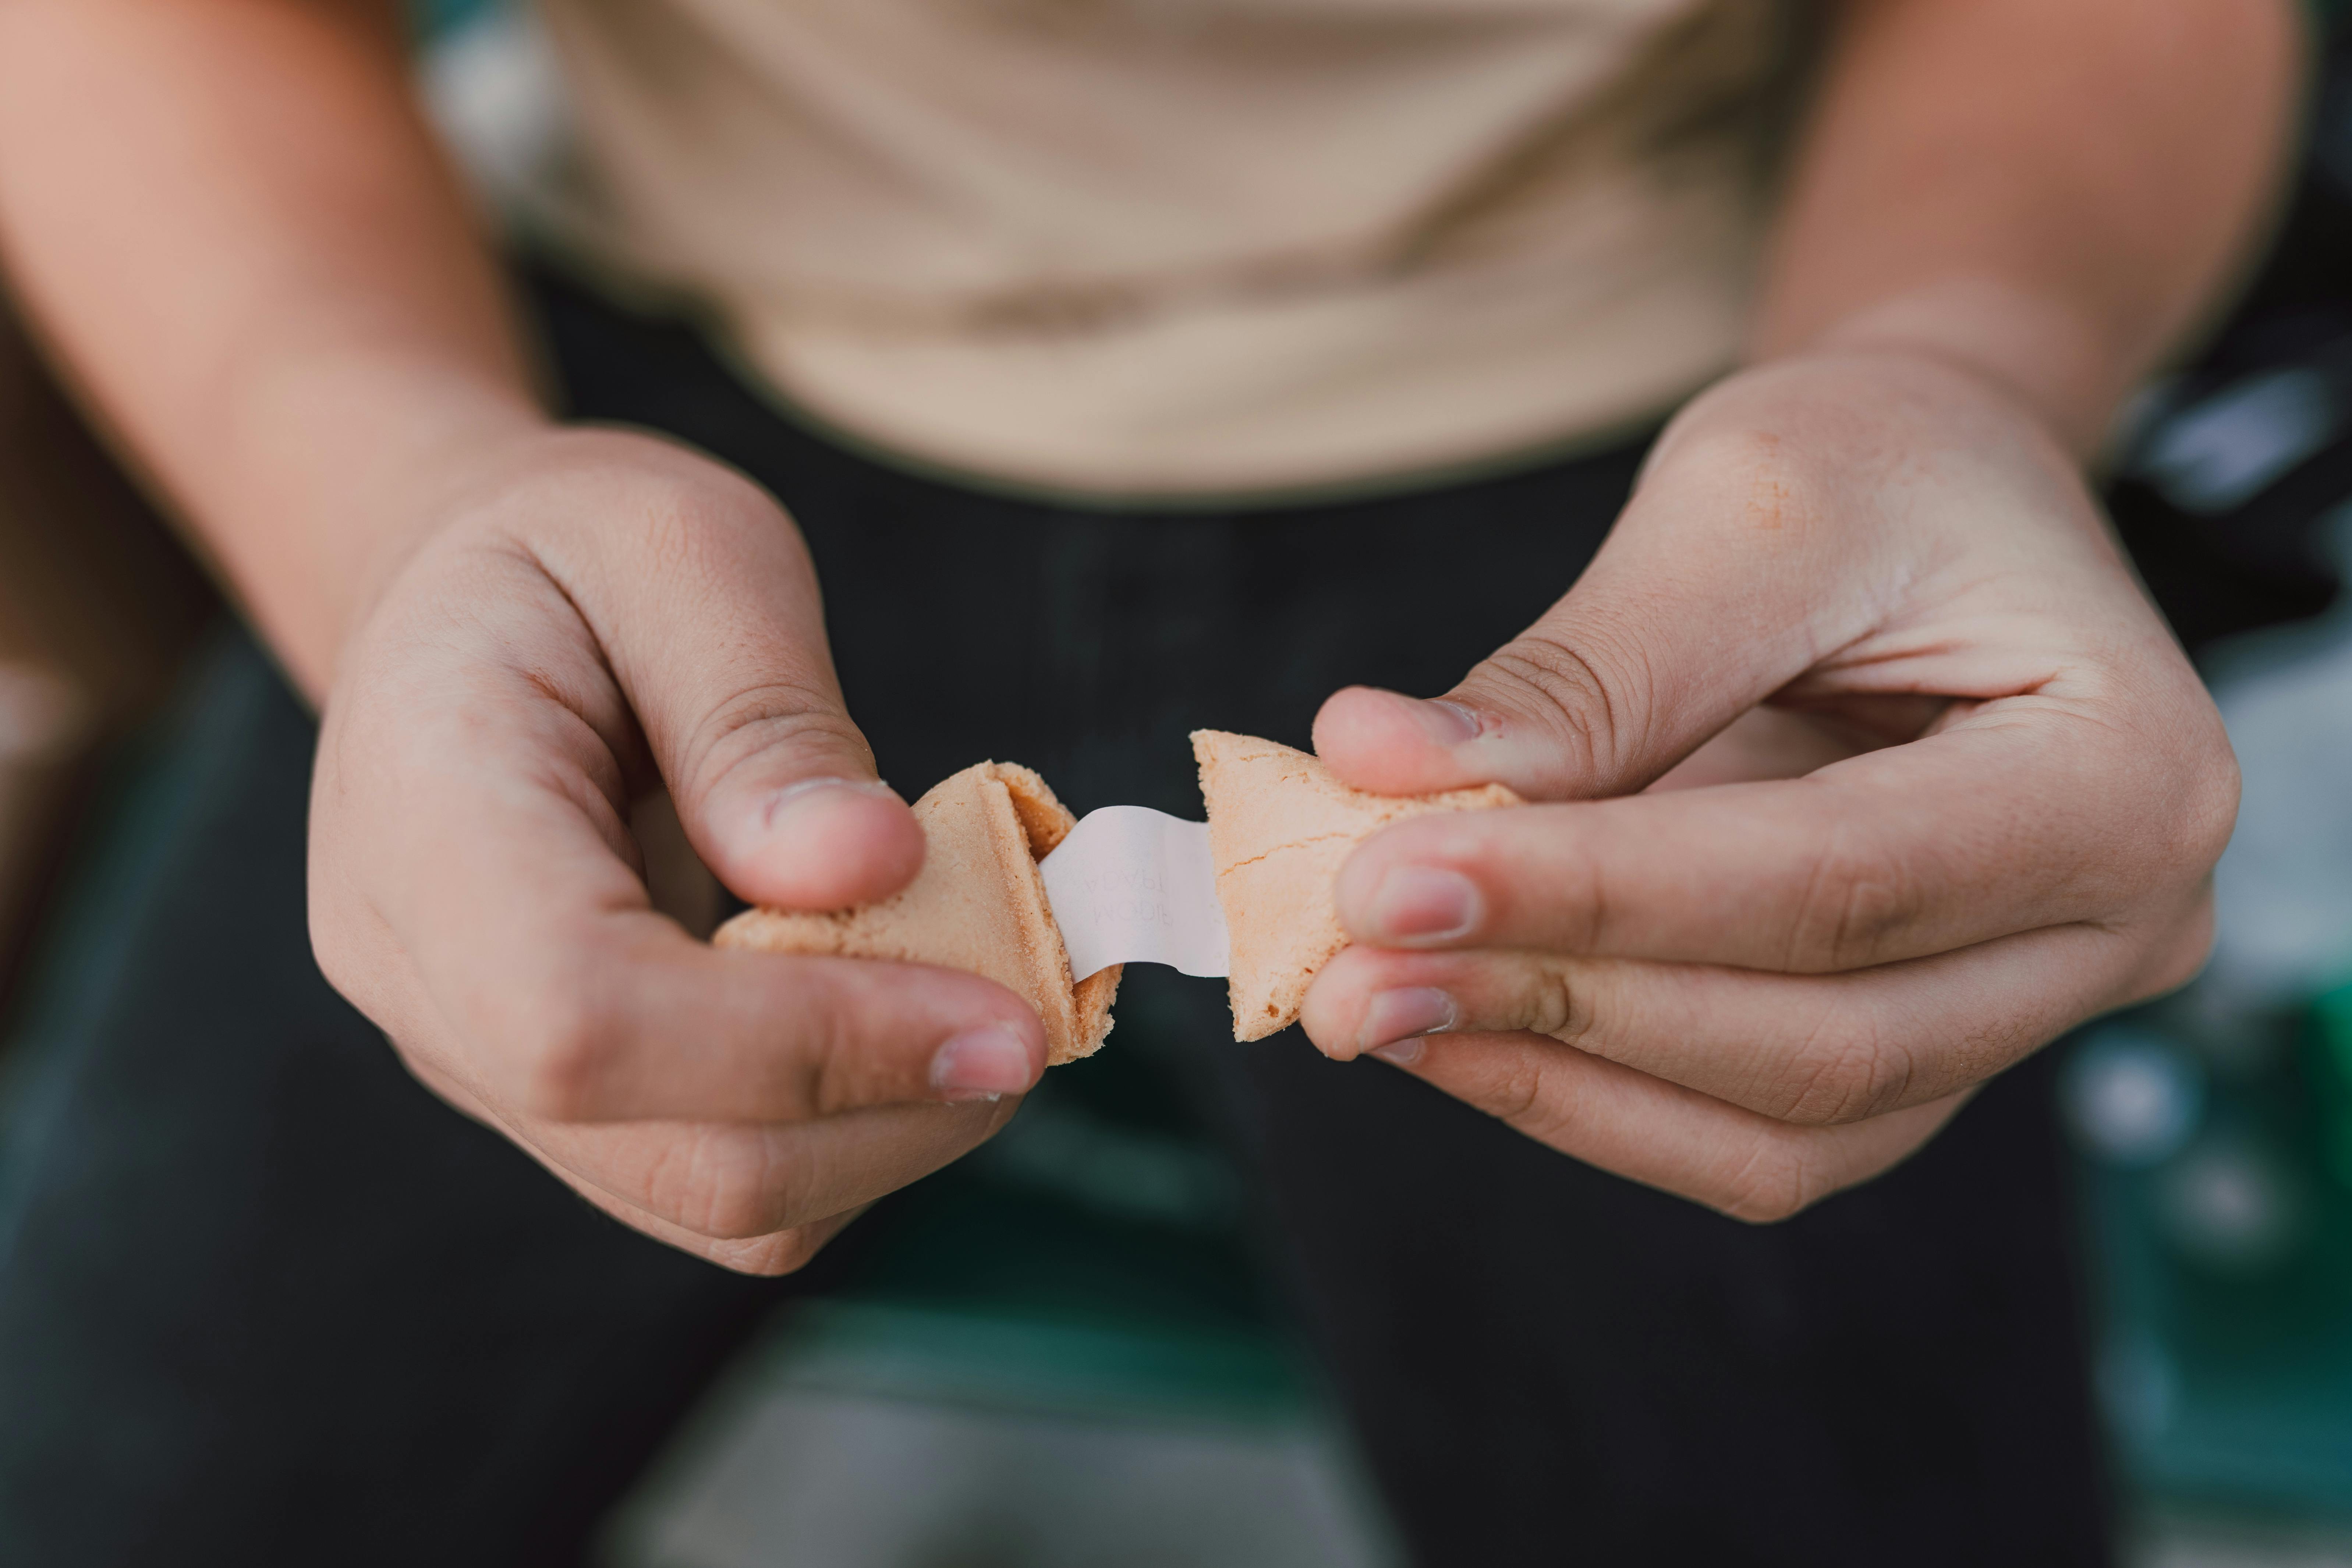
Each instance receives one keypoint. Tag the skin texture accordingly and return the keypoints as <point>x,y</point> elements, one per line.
<point>236,234</point>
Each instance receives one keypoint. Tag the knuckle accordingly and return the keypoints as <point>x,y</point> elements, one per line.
<point>839,1045</point>
<point>1556,1004</point>
<point>2182,962</point>
<point>2191,817</point>
<point>825,1073</point>
<point>1848,1070</point>
<point>561,1055</point>
<point>1775,1183</point>
<point>1583,694</point>
<point>1855,902</point>
<point>1517,1095</point>
<point>2213,809</point>
<point>733,1205</point>
<point>728,1183</point>
<point>1541,1104</point>
<point>758,717</point>
<point>770,1257</point>
<point>732,1210</point>
<point>2180,958</point>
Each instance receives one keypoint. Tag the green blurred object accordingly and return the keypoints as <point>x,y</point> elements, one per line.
<point>2331,1066</point>
<point>2224,1263</point>
<point>1040,1364</point>
<point>430,19</point>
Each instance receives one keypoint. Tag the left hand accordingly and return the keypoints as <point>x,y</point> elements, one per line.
<point>1873,771</point>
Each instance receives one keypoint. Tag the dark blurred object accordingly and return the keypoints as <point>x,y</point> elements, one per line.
<point>2215,1126</point>
<point>2214,1163</point>
<point>2226,471</point>
<point>99,605</point>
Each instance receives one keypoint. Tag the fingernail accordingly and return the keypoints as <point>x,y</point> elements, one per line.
<point>1403,1053</point>
<point>807,798</point>
<point>1424,904</point>
<point>987,1063</point>
<point>1397,1020</point>
<point>1447,723</point>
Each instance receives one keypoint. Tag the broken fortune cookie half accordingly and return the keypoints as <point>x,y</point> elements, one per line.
<point>1280,826</point>
<point>977,905</point>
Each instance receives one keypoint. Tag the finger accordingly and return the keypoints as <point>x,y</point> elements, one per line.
<point>582,1005</point>
<point>1660,1135</point>
<point>734,1193</point>
<point>624,1018</point>
<point>1744,561</point>
<point>735,694</point>
<point>1708,597</point>
<point>535,944</point>
<point>772,1253</point>
<point>728,1182</point>
<point>768,1256</point>
<point>1812,1049</point>
<point>2008,820</point>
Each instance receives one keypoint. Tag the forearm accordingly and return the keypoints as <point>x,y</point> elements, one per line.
<point>2048,194</point>
<point>228,217</point>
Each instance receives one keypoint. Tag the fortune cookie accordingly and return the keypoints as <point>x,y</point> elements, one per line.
<point>977,905</point>
<point>1279,829</point>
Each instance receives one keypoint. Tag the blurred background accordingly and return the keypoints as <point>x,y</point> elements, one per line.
<point>1068,1336</point>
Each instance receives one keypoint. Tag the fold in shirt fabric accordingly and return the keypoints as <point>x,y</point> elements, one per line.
<point>1184,246</point>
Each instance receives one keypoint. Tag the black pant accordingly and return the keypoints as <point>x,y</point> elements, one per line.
<point>263,1300</point>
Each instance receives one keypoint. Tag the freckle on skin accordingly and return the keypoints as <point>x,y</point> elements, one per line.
<point>1768,515</point>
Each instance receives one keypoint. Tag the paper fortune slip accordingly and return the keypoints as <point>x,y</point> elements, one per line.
<point>1015,889</point>
<point>1131,885</point>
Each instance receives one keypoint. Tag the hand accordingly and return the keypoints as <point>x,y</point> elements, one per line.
<point>597,616</point>
<point>1877,773</point>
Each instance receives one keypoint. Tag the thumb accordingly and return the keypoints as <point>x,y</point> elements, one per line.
<point>718,641</point>
<point>1689,616</point>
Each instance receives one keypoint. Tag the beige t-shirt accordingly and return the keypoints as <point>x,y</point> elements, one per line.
<point>1175,247</point>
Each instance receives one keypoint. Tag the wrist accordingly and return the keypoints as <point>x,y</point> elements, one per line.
<point>2052,361</point>
<point>357,464</point>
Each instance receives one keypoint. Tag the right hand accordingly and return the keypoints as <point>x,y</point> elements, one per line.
<point>1868,768</point>
<point>598,615</point>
